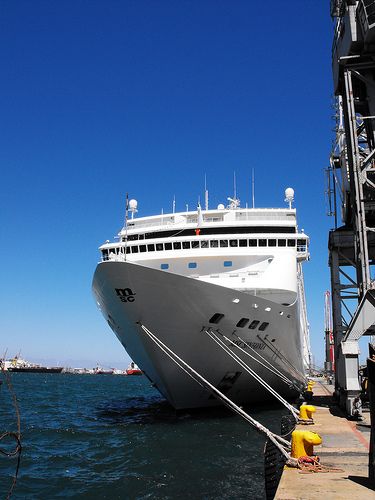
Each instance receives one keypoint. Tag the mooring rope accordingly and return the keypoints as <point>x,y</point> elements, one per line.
<point>283,358</point>
<point>16,452</point>
<point>266,364</point>
<point>282,444</point>
<point>252,372</point>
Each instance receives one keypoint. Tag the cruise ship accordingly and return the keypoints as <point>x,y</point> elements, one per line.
<point>208,283</point>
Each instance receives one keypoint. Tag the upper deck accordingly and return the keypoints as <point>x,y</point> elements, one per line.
<point>205,219</point>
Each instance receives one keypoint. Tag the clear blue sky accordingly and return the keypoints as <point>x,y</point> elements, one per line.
<point>100,98</point>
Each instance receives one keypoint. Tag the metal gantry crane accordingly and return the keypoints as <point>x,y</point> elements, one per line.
<point>352,185</point>
<point>329,365</point>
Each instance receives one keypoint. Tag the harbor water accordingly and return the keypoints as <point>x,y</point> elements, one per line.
<point>107,436</point>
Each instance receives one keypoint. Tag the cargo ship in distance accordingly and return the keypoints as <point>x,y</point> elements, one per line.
<point>231,272</point>
<point>18,364</point>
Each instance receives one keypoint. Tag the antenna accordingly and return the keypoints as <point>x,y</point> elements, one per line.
<point>205,193</point>
<point>126,210</point>
<point>253,187</point>
<point>234,186</point>
<point>174,204</point>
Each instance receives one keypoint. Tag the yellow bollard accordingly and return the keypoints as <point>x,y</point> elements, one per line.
<point>306,411</point>
<point>303,443</point>
<point>308,394</point>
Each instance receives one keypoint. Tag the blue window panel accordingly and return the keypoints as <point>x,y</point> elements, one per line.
<point>164,266</point>
<point>228,263</point>
<point>192,265</point>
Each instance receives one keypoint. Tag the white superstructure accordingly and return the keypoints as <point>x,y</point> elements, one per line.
<point>237,271</point>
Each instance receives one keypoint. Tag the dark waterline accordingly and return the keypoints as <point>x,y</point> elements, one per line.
<point>115,437</point>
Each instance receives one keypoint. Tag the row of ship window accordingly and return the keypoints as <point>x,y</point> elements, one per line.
<point>217,317</point>
<point>194,265</point>
<point>186,245</point>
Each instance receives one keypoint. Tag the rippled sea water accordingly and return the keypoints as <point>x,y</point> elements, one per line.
<point>108,437</point>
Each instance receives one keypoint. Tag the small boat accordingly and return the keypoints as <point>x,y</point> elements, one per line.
<point>133,369</point>
<point>103,371</point>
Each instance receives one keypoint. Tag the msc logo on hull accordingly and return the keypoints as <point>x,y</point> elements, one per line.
<point>125,294</point>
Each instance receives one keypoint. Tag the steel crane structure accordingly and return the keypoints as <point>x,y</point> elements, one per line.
<point>329,365</point>
<point>352,185</point>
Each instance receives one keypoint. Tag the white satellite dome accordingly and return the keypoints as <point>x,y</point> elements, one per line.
<point>220,206</point>
<point>133,204</point>
<point>289,194</point>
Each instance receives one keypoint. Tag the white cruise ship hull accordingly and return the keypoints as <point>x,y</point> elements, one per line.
<point>177,309</point>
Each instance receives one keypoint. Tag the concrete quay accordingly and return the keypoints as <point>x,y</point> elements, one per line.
<point>345,447</point>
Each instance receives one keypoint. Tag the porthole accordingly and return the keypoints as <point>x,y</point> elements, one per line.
<point>216,318</point>
<point>243,322</point>
<point>254,324</point>
<point>263,326</point>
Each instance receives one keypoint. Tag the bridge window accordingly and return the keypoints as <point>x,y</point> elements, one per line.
<point>142,248</point>
<point>195,244</point>
<point>134,249</point>
<point>177,245</point>
<point>242,243</point>
<point>164,266</point>
<point>186,245</point>
<point>159,247</point>
<point>228,263</point>
<point>262,243</point>
<point>281,243</point>
<point>263,326</point>
<point>216,318</point>
<point>214,243</point>
<point>127,249</point>
<point>243,322</point>
<point>223,243</point>
<point>192,265</point>
<point>272,243</point>
<point>168,246</point>
<point>291,243</point>
<point>204,244</point>
<point>253,243</point>
<point>233,243</point>
<point>151,248</point>
<point>301,245</point>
